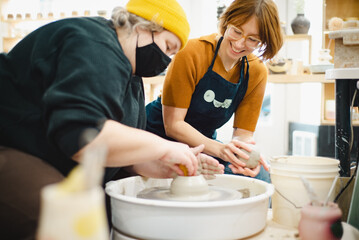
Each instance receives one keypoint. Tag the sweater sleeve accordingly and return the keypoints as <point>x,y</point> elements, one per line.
<point>186,69</point>
<point>88,86</point>
<point>248,111</point>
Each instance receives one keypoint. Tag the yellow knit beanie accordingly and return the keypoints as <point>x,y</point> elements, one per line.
<point>167,13</point>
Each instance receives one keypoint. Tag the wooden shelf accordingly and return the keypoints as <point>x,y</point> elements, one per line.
<point>272,78</point>
<point>153,83</point>
<point>10,42</point>
<point>12,38</point>
<point>332,122</point>
<point>341,9</point>
<point>296,37</point>
<point>286,78</point>
<point>154,80</point>
<point>301,37</point>
<point>21,20</point>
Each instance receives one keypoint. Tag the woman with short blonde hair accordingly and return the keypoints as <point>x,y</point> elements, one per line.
<point>85,73</point>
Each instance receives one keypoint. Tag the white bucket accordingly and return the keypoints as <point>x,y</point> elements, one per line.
<point>290,194</point>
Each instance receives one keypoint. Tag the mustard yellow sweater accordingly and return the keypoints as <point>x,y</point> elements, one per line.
<point>191,63</point>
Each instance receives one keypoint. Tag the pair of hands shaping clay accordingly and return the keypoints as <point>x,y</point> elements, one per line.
<point>254,157</point>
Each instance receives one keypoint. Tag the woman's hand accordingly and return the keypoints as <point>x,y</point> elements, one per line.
<point>129,146</point>
<point>250,172</point>
<point>180,154</point>
<point>207,165</point>
<point>231,152</point>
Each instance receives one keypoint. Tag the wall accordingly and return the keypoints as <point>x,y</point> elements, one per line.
<point>202,16</point>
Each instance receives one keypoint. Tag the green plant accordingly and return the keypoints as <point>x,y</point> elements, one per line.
<point>299,6</point>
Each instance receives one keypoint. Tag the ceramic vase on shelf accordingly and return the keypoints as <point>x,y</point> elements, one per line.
<point>300,24</point>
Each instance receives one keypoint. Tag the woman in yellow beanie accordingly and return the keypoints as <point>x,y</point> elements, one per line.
<point>217,76</point>
<point>84,73</point>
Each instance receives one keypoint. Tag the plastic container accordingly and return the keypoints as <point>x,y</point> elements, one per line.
<point>75,215</point>
<point>290,194</point>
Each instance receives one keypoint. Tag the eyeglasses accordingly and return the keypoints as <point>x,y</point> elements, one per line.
<point>237,34</point>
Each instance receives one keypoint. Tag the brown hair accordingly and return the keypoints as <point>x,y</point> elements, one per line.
<point>266,12</point>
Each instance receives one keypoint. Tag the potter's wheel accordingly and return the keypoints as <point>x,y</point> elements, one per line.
<point>214,194</point>
<point>241,213</point>
<point>192,189</point>
<point>117,235</point>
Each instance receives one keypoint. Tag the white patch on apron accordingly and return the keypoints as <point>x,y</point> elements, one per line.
<point>209,96</point>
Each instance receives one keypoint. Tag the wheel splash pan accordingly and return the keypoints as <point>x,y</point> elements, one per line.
<point>167,220</point>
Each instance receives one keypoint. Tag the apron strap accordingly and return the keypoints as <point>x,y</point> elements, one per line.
<point>216,52</point>
<point>244,61</point>
<point>244,73</point>
<point>243,81</point>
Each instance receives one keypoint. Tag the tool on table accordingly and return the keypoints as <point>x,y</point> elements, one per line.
<point>311,193</point>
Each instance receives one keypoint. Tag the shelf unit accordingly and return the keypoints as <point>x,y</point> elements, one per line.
<point>337,8</point>
<point>344,10</point>
<point>15,28</point>
<point>301,37</point>
<point>303,78</point>
<point>155,84</point>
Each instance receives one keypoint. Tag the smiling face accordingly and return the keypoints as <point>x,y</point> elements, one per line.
<point>233,49</point>
<point>241,13</point>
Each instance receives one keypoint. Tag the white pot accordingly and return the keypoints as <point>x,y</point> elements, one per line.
<point>167,220</point>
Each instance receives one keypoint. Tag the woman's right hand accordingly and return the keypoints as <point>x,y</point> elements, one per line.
<point>177,154</point>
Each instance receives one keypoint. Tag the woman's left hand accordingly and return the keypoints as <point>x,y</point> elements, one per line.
<point>248,171</point>
<point>237,144</point>
<point>207,165</point>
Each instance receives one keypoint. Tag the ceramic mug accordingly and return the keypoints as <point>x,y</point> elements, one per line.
<point>321,222</point>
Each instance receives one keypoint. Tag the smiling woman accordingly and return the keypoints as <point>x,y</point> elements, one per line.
<point>216,76</point>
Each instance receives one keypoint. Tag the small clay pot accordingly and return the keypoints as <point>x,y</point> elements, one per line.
<point>254,157</point>
<point>321,222</point>
<point>189,186</point>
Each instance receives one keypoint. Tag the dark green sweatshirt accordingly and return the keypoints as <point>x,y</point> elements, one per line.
<point>63,78</point>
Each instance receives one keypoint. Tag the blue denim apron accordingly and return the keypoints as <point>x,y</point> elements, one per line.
<point>213,102</point>
<point>215,99</point>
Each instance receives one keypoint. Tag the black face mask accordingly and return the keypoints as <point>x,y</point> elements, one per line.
<point>150,60</point>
